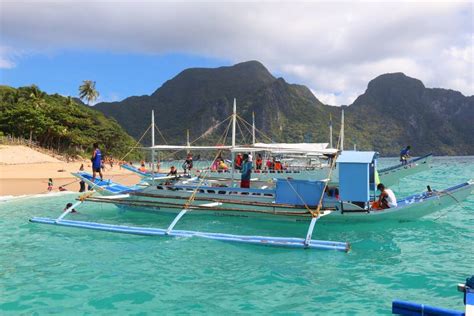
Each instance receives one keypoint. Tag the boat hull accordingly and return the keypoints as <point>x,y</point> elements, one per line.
<point>263,207</point>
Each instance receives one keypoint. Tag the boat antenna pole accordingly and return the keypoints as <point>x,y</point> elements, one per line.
<point>187,140</point>
<point>153,144</point>
<point>234,117</point>
<point>342,130</point>
<point>253,128</point>
<point>330,130</point>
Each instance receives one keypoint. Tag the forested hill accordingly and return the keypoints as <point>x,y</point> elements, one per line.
<point>396,109</point>
<point>59,122</point>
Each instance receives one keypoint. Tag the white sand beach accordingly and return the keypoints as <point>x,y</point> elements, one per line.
<point>24,170</point>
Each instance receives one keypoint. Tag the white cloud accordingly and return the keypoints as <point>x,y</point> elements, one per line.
<point>6,61</point>
<point>335,48</point>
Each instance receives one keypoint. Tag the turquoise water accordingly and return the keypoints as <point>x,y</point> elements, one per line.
<point>47,269</point>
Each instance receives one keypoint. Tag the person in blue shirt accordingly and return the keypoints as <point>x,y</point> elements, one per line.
<point>96,162</point>
<point>246,172</point>
<point>404,155</point>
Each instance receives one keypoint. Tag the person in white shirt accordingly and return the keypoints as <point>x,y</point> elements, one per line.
<point>386,199</point>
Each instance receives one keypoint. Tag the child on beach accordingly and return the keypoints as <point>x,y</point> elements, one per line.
<point>50,184</point>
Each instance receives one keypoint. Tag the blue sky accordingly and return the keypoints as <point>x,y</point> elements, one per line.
<point>334,48</point>
<point>117,75</point>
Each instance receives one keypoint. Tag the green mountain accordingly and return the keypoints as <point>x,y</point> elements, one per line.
<point>394,111</point>
<point>60,123</point>
<point>199,98</point>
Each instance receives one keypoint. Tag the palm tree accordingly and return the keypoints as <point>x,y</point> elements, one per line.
<point>87,91</point>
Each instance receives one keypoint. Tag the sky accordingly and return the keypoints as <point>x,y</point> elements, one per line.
<point>333,47</point>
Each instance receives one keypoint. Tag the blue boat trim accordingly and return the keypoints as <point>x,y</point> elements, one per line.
<point>410,308</point>
<point>147,231</point>
<point>429,195</point>
<point>108,185</point>
<point>414,309</point>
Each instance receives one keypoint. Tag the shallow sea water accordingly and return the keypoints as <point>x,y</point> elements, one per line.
<point>46,269</point>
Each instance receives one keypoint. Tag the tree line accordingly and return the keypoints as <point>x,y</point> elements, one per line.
<point>60,123</point>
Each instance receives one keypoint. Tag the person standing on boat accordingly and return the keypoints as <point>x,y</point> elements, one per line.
<point>246,172</point>
<point>258,162</point>
<point>173,172</point>
<point>404,155</point>
<point>96,162</point>
<point>188,163</point>
<point>238,162</point>
<point>386,199</point>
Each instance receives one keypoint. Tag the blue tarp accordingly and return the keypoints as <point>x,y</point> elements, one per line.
<point>298,192</point>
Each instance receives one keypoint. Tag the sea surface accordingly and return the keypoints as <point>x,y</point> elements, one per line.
<point>46,269</point>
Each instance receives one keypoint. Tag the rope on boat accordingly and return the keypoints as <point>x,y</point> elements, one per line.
<point>316,213</point>
<point>172,154</point>
<point>256,129</point>
<point>454,198</point>
<point>163,137</point>
<point>201,181</point>
<point>138,142</point>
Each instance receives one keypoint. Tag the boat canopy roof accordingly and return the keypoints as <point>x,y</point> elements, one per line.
<point>365,157</point>
<point>184,147</point>
<point>306,148</point>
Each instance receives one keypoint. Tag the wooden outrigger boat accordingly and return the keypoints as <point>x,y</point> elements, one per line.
<point>300,200</point>
<point>392,175</point>
<point>290,199</point>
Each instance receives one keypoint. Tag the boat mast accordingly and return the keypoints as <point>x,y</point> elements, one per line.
<point>330,130</point>
<point>152,141</point>
<point>187,140</point>
<point>342,130</point>
<point>234,116</point>
<point>253,128</point>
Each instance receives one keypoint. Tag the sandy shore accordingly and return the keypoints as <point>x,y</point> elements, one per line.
<point>26,171</point>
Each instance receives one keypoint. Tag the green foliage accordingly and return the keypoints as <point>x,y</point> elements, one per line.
<point>88,92</point>
<point>59,122</point>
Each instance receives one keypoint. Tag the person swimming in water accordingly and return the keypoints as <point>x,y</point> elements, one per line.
<point>68,206</point>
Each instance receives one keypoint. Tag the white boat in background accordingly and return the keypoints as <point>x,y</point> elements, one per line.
<point>391,175</point>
